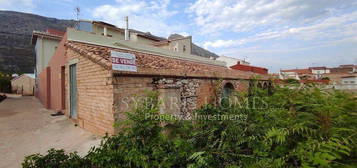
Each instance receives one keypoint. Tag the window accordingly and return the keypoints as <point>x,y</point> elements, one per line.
<point>184,48</point>
<point>227,92</point>
<point>228,89</point>
<point>352,82</point>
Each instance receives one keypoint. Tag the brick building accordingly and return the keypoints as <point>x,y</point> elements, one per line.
<point>84,84</point>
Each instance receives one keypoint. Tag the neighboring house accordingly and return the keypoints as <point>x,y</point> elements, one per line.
<point>174,42</point>
<point>348,83</point>
<point>249,68</point>
<point>23,84</point>
<point>350,68</point>
<point>335,78</point>
<point>297,74</point>
<point>96,93</point>
<point>45,46</point>
<point>177,43</point>
<point>349,80</point>
<point>319,71</point>
<point>231,61</point>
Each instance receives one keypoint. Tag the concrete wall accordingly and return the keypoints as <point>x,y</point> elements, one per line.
<point>23,85</point>
<point>94,95</point>
<point>178,45</point>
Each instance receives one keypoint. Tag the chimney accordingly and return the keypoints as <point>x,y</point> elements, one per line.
<point>105,31</point>
<point>126,28</point>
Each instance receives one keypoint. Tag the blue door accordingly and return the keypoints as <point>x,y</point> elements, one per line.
<point>73,90</point>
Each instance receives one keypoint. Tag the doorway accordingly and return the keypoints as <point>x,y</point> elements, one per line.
<point>73,90</point>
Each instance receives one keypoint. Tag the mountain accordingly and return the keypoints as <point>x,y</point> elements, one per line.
<point>17,54</point>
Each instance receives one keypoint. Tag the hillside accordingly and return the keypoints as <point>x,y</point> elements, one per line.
<point>16,52</point>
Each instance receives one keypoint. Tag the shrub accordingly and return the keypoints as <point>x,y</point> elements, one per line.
<point>292,81</point>
<point>5,83</point>
<point>304,127</point>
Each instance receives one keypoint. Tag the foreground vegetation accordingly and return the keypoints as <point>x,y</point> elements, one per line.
<point>5,82</point>
<point>303,127</point>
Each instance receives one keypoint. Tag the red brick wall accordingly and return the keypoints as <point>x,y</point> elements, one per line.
<point>94,95</point>
<point>125,89</point>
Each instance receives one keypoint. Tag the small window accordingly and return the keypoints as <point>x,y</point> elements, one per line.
<point>175,49</point>
<point>184,48</point>
<point>228,90</point>
<point>352,81</point>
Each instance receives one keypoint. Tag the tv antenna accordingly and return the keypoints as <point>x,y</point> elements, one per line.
<point>77,11</point>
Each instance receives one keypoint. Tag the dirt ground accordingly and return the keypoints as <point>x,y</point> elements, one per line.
<point>27,128</point>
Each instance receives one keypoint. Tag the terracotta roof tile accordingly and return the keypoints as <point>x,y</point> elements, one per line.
<point>154,63</point>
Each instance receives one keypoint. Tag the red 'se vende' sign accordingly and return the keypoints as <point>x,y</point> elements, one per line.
<point>123,61</point>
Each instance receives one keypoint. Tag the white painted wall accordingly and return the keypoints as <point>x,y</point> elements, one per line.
<point>289,75</point>
<point>231,61</point>
<point>349,81</point>
<point>44,49</point>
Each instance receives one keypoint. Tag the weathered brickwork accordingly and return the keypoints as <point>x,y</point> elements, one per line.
<point>94,95</point>
<point>126,91</point>
<point>193,92</point>
<point>105,95</point>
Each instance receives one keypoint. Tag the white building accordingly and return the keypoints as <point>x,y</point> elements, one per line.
<point>231,61</point>
<point>319,71</point>
<point>347,83</point>
<point>349,80</point>
<point>297,74</point>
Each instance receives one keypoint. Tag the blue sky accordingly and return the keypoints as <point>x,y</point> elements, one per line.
<point>276,34</point>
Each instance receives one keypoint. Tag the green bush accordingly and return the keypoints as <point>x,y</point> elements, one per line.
<point>304,127</point>
<point>5,83</point>
<point>291,81</point>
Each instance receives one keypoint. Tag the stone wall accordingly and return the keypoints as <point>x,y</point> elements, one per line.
<point>193,92</point>
<point>188,92</point>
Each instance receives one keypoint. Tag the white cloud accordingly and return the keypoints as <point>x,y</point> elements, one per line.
<point>18,5</point>
<point>246,15</point>
<point>146,16</point>
<point>325,32</point>
<point>220,43</point>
